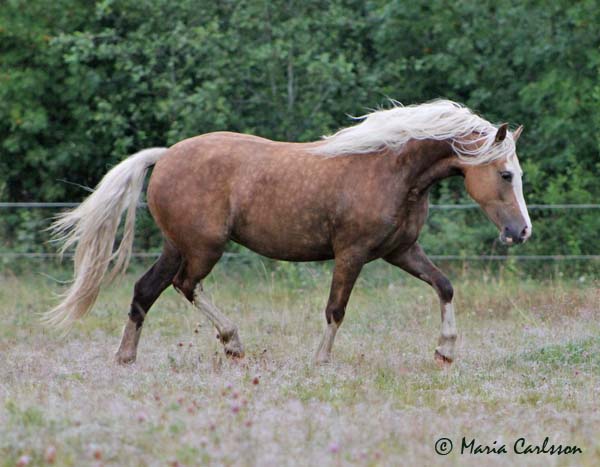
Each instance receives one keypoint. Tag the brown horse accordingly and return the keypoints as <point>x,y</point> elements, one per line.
<point>356,196</point>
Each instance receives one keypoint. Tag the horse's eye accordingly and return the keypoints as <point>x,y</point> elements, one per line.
<point>508,176</point>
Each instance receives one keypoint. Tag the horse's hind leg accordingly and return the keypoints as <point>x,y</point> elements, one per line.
<point>228,331</point>
<point>147,289</point>
<point>188,281</point>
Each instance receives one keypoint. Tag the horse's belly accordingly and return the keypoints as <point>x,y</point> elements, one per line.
<point>284,244</point>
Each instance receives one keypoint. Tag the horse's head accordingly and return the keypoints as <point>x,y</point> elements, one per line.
<point>497,187</point>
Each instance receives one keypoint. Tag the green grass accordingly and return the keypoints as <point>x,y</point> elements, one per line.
<point>528,365</point>
<point>584,353</point>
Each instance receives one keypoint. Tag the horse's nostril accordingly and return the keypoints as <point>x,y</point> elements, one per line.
<point>524,232</point>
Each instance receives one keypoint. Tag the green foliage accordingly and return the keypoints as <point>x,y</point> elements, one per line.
<point>83,84</point>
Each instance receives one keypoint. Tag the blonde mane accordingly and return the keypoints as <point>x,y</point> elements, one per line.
<point>472,137</point>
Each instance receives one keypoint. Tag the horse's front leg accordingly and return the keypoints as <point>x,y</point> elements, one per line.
<point>415,262</point>
<point>346,271</point>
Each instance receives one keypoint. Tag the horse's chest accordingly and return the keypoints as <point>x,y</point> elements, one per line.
<point>409,223</point>
<point>413,219</point>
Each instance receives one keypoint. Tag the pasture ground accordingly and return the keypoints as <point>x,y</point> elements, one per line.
<point>528,366</point>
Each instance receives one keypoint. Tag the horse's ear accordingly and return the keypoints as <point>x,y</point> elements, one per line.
<point>517,133</point>
<point>501,133</point>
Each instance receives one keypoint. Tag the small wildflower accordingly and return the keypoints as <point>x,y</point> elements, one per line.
<point>50,454</point>
<point>23,461</point>
<point>255,381</point>
<point>334,448</point>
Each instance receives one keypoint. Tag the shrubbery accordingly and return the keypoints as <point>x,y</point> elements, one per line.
<point>84,85</point>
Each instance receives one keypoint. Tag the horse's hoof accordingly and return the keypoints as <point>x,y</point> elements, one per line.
<point>442,361</point>
<point>235,353</point>
<point>322,360</point>
<point>232,344</point>
<point>124,359</point>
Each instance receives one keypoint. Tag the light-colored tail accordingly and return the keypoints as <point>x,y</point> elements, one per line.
<point>92,226</point>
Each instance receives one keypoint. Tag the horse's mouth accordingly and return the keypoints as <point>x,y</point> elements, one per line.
<point>509,241</point>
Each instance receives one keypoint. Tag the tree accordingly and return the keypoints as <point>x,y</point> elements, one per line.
<point>83,85</point>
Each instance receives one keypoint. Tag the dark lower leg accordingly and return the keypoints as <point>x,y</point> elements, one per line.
<point>147,289</point>
<point>415,262</point>
<point>346,271</point>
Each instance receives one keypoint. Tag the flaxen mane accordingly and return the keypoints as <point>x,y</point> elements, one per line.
<point>439,120</point>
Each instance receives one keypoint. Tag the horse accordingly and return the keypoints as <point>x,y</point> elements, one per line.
<point>353,197</point>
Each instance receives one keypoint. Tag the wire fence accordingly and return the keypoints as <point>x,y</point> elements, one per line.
<point>431,206</point>
<point>442,207</point>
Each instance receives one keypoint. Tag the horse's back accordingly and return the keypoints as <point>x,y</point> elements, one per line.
<point>231,184</point>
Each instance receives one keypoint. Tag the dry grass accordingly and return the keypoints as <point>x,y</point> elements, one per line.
<point>529,365</point>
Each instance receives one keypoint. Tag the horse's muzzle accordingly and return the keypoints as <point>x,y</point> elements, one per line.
<point>514,236</point>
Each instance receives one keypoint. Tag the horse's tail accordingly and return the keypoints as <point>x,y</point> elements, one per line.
<point>92,226</point>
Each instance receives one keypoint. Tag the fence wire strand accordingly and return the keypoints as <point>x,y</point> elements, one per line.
<point>7,205</point>
<point>441,207</point>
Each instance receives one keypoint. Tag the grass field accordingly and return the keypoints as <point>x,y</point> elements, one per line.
<point>528,366</point>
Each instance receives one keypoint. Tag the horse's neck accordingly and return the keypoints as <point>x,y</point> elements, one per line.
<point>442,169</point>
<point>429,162</point>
